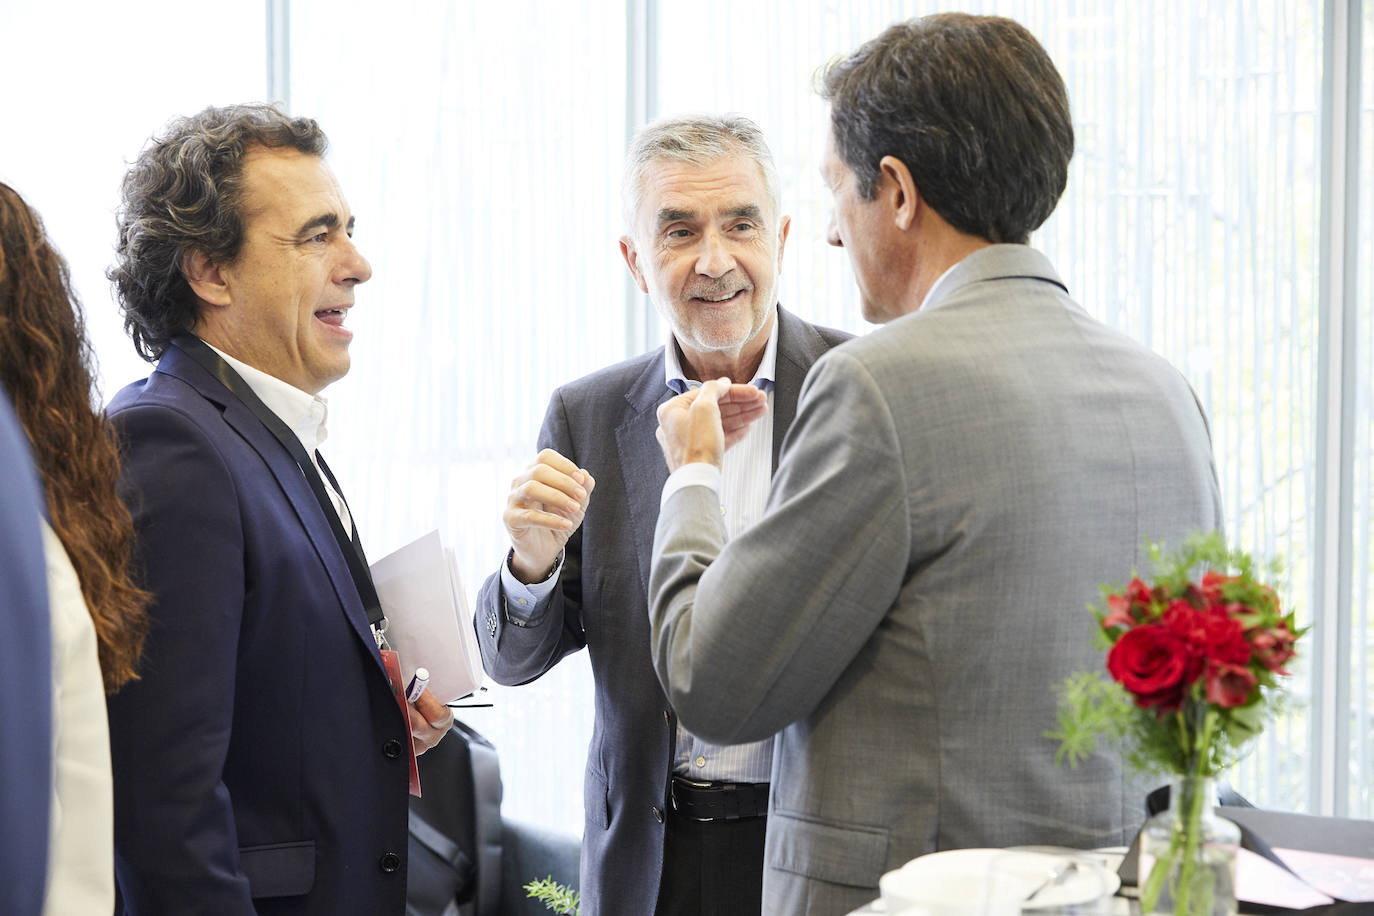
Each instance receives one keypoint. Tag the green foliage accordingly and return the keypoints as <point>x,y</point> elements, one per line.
<point>1091,708</point>
<point>555,896</point>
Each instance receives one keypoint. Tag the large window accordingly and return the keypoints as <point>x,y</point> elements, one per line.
<point>1192,221</point>
<point>81,99</point>
<point>483,164</point>
<point>1220,208</point>
<point>1353,698</point>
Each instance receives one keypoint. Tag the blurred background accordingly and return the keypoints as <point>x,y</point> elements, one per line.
<point>1220,209</point>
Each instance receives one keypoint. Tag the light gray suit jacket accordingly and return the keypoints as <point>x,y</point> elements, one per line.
<point>953,490</point>
<point>605,423</point>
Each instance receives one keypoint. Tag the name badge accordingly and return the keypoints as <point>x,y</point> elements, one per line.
<point>392,661</point>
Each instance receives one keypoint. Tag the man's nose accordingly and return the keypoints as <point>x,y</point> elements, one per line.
<point>354,268</point>
<point>714,258</point>
<point>832,233</point>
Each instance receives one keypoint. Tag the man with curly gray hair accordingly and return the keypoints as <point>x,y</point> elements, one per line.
<point>261,763</point>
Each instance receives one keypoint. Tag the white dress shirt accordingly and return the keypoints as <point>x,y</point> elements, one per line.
<point>303,413</point>
<point>743,484</point>
<point>746,470</point>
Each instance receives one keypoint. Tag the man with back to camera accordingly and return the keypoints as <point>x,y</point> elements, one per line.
<point>260,764</point>
<point>954,487</point>
<point>673,824</point>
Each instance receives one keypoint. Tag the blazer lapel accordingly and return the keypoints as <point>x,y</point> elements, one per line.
<point>291,480</point>
<point>799,346</point>
<point>641,460</point>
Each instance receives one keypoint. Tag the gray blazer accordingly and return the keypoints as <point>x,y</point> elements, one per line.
<point>953,490</point>
<point>605,423</point>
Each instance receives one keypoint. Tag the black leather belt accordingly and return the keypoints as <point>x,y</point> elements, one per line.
<point>719,801</point>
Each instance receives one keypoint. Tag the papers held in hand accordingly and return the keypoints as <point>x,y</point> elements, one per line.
<point>428,621</point>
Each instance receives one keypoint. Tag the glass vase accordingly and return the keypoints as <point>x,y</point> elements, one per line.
<point>1188,855</point>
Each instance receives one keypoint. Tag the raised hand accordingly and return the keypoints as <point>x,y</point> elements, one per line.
<point>546,504</point>
<point>702,423</point>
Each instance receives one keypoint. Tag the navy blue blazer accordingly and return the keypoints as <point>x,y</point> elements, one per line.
<point>26,667</point>
<point>259,762</point>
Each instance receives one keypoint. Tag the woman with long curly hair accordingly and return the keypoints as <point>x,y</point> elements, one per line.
<point>99,614</point>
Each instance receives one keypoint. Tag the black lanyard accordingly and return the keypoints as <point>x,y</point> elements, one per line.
<point>352,547</point>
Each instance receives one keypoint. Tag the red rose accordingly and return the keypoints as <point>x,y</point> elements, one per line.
<point>1210,634</point>
<point>1130,608</point>
<point>1139,592</point>
<point>1195,596</point>
<point>1184,621</point>
<point>1229,685</point>
<point>1273,647</point>
<point>1154,665</point>
<point>1118,613</point>
<point>1224,638</point>
<point>1212,583</point>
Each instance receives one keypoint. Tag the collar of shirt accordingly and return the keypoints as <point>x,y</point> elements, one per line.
<point>303,413</point>
<point>678,381</point>
<point>934,287</point>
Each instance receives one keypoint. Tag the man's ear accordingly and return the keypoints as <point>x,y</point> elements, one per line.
<point>631,256</point>
<point>896,180</point>
<point>783,228</point>
<point>205,278</point>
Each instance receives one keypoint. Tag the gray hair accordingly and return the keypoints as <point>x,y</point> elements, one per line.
<point>699,140</point>
<point>183,194</point>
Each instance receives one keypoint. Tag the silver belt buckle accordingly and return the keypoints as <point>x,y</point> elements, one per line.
<point>695,784</point>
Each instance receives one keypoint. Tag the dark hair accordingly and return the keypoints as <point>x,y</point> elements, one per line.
<point>45,363</point>
<point>972,105</point>
<point>181,195</point>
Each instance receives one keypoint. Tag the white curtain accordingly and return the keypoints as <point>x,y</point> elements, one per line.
<point>479,146</point>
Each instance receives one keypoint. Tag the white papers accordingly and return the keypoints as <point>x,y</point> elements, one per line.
<point>1345,877</point>
<point>428,620</point>
<point>1260,881</point>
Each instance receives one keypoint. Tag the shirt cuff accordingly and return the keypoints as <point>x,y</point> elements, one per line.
<point>523,599</point>
<point>697,474</point>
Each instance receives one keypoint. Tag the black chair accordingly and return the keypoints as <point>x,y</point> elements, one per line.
<point>1158,800</point>
<point>464,858</point>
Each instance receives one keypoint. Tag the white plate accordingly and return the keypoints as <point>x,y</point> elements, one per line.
<point>991,882</point>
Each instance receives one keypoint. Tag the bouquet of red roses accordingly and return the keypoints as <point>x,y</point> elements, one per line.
<point>1193,664</point>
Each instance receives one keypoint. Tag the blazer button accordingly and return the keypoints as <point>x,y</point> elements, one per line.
<point>392,749</point>
<point>658,814</point>
<point>389,862</point>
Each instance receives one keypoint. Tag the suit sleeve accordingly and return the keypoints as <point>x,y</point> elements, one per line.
<point>25,664</point>
<point>1218,516</point>
<point>175,837</point>
<point>750,636</point>
<point>518,651</point>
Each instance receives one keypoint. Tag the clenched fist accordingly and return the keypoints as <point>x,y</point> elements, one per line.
<point>546,504</point>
